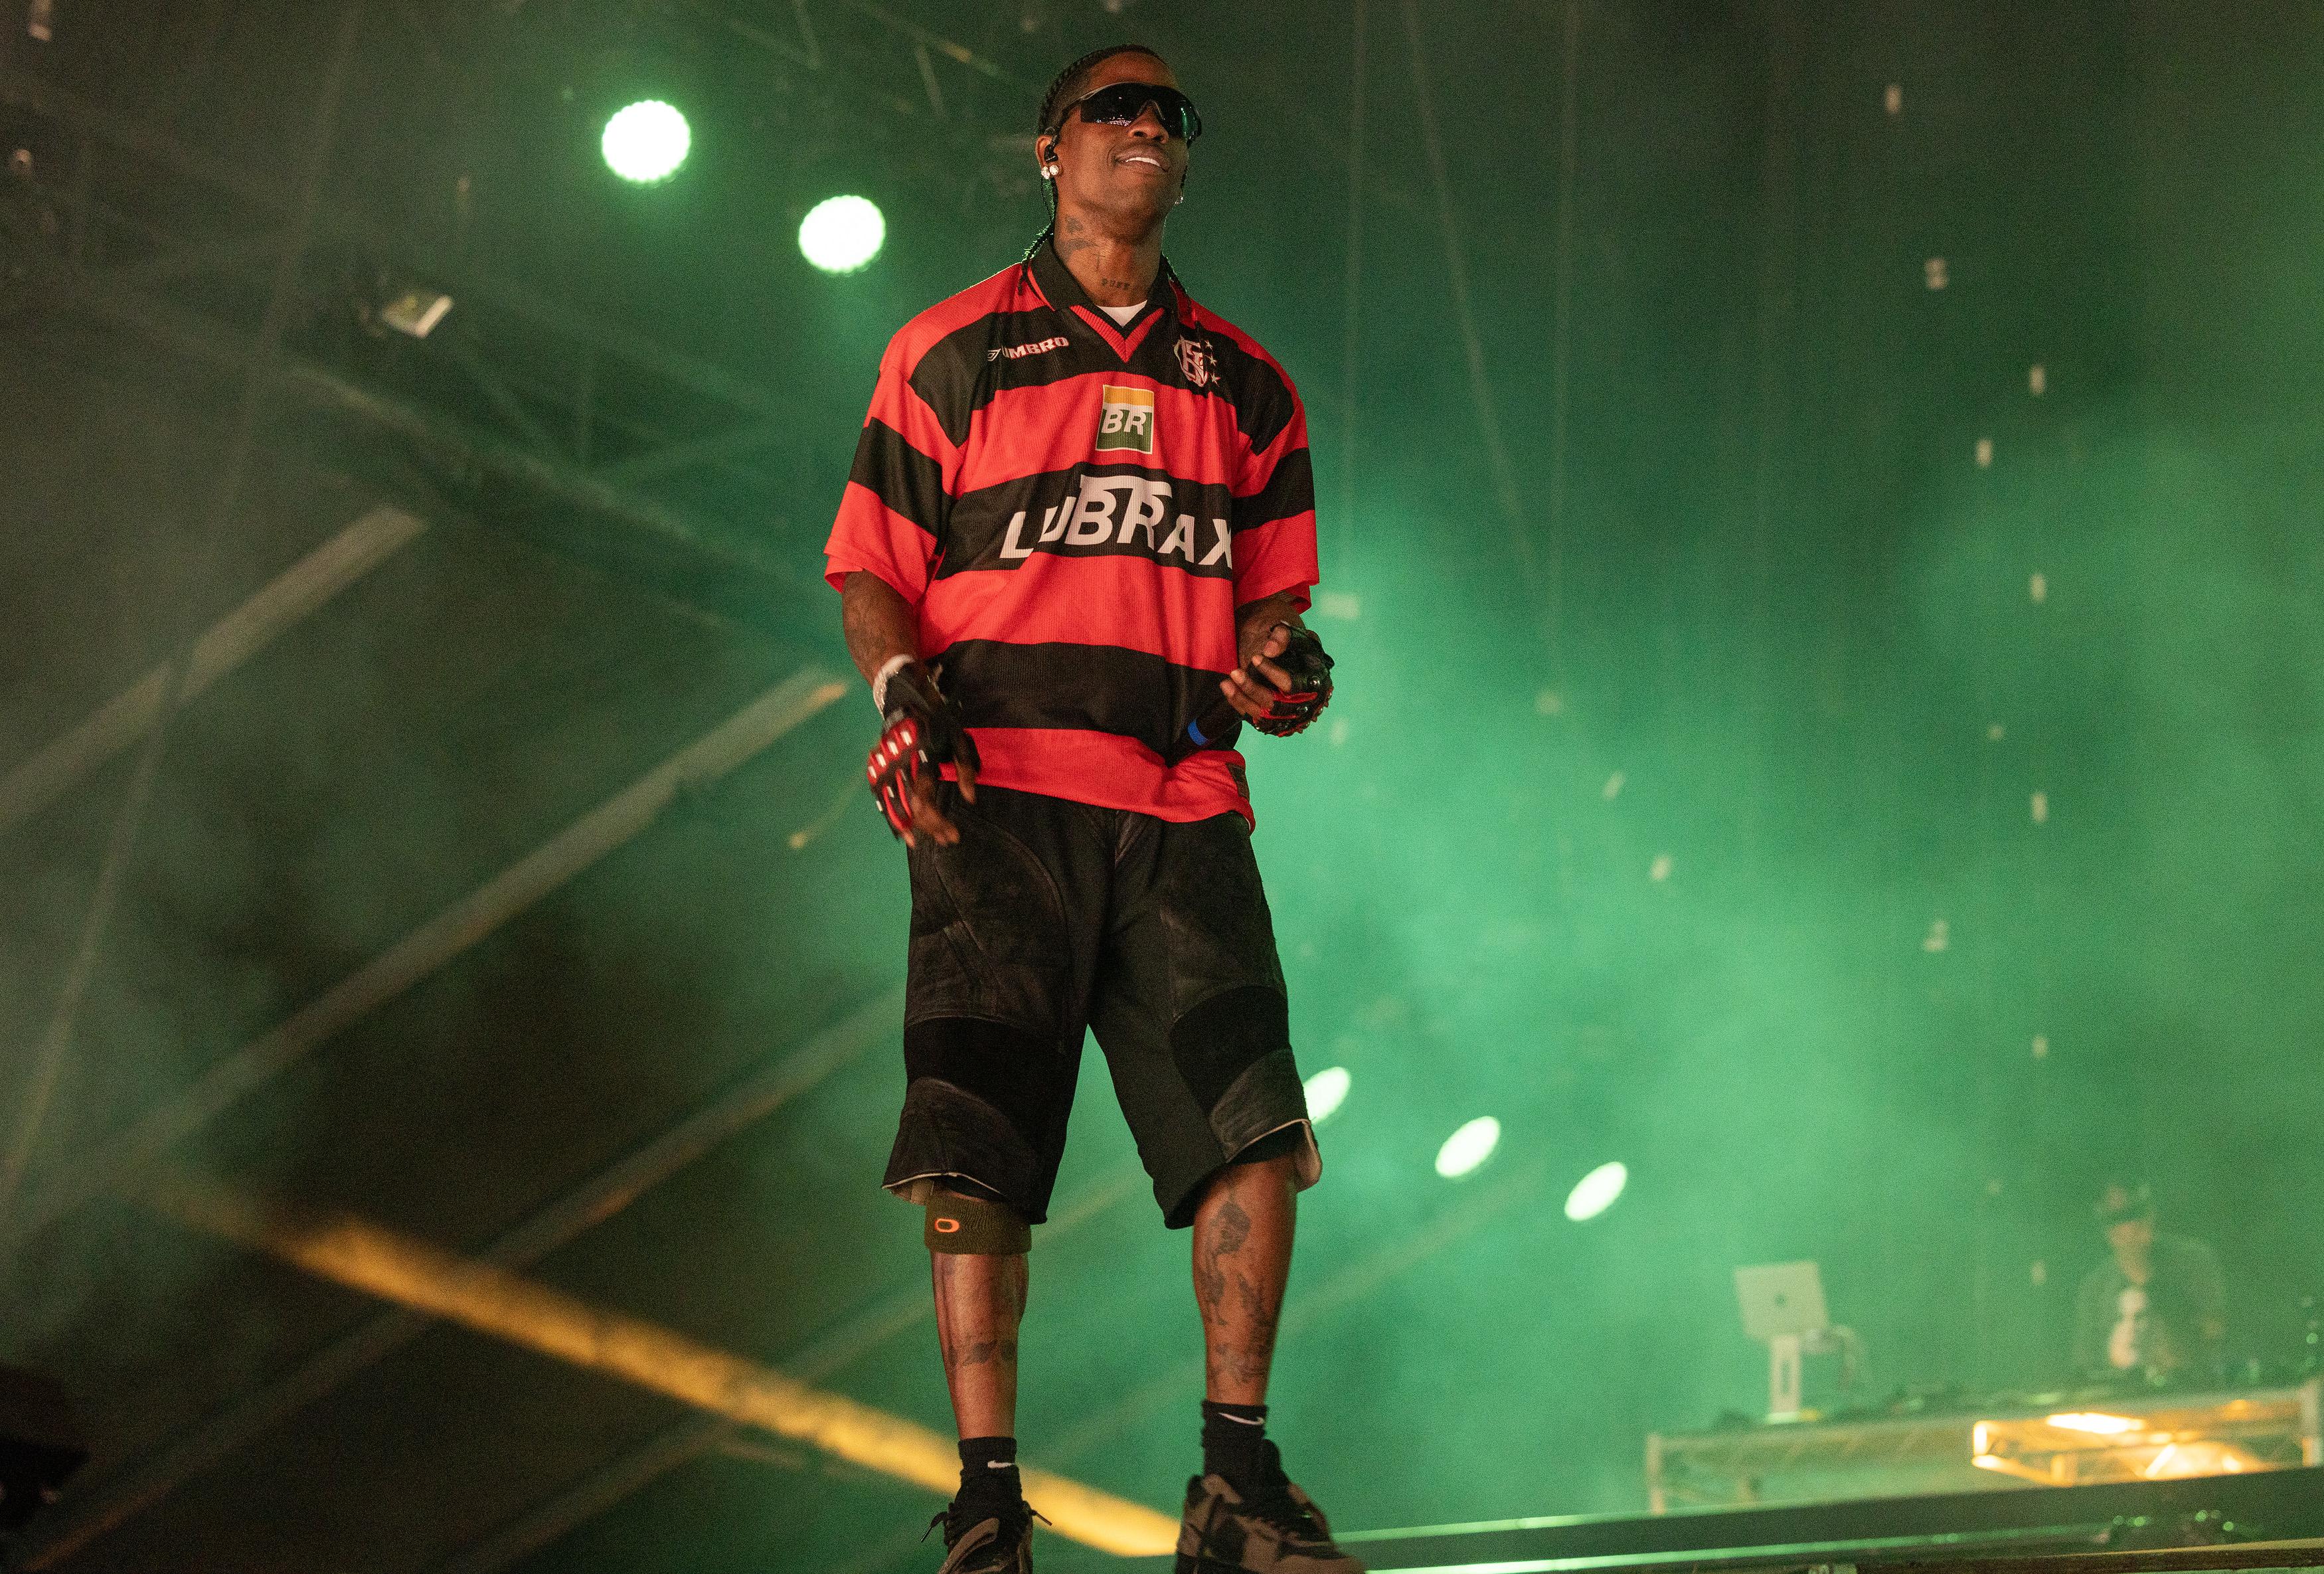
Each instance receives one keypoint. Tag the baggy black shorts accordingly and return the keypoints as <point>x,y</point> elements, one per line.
<point>1050,918</point>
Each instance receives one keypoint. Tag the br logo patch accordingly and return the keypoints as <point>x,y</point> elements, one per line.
<point>1126,419</point>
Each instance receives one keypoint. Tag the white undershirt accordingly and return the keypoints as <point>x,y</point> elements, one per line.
<point>1123,314</point>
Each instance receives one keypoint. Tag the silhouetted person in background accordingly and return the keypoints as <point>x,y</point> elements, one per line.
<point>2156,1308</point>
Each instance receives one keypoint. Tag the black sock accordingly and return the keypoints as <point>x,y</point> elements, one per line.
<point>1234,1444</point>
<point>989,1482</point>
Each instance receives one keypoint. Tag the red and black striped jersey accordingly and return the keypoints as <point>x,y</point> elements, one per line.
<point>1076,509</point>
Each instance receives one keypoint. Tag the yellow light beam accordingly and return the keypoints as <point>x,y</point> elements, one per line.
<point>365,1256</point>
<point>2097,1422</point>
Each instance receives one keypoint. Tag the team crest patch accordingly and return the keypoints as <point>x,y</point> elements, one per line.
<point>1196,361</point>
<point>1126,419</point>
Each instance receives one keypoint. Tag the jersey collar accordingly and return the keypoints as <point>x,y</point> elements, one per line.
<point>1064,292</point>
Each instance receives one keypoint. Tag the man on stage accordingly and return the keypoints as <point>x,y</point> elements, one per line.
<point>2155,1309</point>
<point>1072,556</point>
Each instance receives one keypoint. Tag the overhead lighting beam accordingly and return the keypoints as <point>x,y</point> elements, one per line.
<point>490,1301</point>
<point>104,1506</point>
<point>111,1163</point>
<point>600,1489</point>
<point>287,600</point>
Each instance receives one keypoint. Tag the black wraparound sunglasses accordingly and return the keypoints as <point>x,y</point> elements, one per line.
<point>1121,103</point>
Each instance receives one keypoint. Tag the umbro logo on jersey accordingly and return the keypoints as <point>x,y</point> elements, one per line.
<point>1018,352</point>
<point>1126,419</point>
<point>1124,511</point>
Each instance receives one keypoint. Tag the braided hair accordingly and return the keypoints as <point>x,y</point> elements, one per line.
<point>1067,86</point>
<point>1073,80</point>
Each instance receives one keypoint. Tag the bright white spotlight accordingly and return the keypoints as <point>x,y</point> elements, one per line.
<point>1327,1090</point>
<point>1469,1147</point>
<point>646,141</point>
<point>840,234</point>
<point>1596,1191</point>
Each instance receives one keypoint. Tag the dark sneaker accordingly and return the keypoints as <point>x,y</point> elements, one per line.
<point>999,1543</point>
<point>1281,1532</point>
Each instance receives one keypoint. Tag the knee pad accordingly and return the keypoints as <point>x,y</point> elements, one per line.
<point>975,1227</point>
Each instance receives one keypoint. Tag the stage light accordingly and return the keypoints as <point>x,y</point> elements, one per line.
<point>401,301</point>
<point>646,141</point>
<point>1597,1191</point>
<point>2096,1422</point>
<point>2199,1457</point>
<point>840,234</point>
<point>415,310</point>
<point>1327,1090</point>
<point>1469,1147</point>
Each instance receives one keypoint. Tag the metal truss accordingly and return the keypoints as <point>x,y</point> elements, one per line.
<point>516,390</point>
<point>617,436</point>
<point>196,295</point>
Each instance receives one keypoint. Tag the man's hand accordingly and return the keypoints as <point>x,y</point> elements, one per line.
<point>1252,687</point>
<point>1262,632</point>
<point>1279,699</point>
<point>923,732</point>
<point>882,629</point>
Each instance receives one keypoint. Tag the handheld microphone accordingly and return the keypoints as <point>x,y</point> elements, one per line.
<point>1213,723</point>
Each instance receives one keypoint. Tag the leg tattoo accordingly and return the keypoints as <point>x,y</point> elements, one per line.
<point>1232,1230</point>
<point>1242,1258</point>
<point>980,1300</point>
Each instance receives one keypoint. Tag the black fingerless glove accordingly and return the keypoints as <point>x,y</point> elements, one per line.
<point>1295,709</point>
<point>923,732</point>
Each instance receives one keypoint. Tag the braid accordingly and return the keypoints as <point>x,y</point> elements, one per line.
<point>1069,85</point>
<point>1074,78</point>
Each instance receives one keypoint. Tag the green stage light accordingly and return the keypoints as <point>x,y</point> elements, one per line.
<point>1469,1147</point>
<point>840,234</point>
<point>1596,1191</point>
<point>646,141</point>
<point>1326,1090</point>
